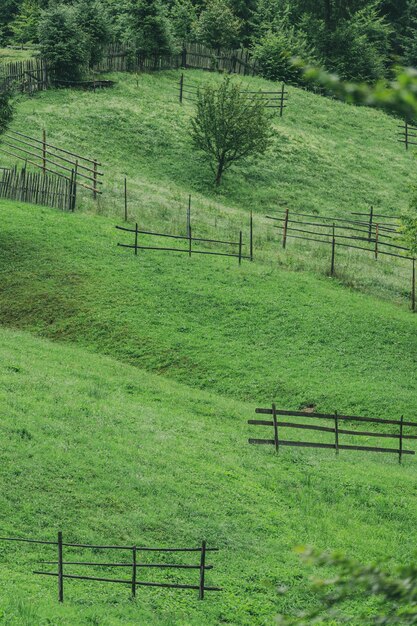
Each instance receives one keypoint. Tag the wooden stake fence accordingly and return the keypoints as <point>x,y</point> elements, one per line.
<point>278,441</point>
<point>44,155</point>
<point>39,188</point>
<point>133,566</point>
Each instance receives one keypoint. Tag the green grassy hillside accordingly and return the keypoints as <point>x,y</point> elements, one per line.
<point>326,157</point>
<point>109,453</point>
<point>253,332</point>
<point>126,382</point>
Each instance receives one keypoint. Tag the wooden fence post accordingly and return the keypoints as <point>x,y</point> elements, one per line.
<point>202,570</point>
<point>413,288</point>
<point>371,217</point>
<point>281,110</point>
<point>181,87</point>
<point>376,240</point>
<point>125,199</point>
<point>184,57</point>
<point>60,569</point>
<point>274,418</point>
<point>134,570</point>
<point>189,216</point>
<point>285,229</point>
<point>251,235</point>
<point>333,252</point>
<point>44,151</point>
<point>336,433</point>
<point>400,451</point>
<point>136,239</point>
<point>189,241</point>
<point>240,248</point>
<point>406,134</point>
<point>95,177</point>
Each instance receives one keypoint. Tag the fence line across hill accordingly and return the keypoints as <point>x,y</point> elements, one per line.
<point>335,429</point>
<point>375,237</point>
<point>188,91</point>
<point>134,565</point>
<point>122,58</point>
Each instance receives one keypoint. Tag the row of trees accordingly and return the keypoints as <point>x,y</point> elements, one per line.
<point>358,39</point>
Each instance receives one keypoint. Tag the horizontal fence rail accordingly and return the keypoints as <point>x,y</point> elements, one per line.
<point>374,235</point>
<point>188,91</point>
<point>191,241</point>
<point>53,160</point>
<point>134,565</point>
<point>335,429</point>
<point>38,188</point>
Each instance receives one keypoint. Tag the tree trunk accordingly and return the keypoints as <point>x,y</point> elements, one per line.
<point>220,169</point>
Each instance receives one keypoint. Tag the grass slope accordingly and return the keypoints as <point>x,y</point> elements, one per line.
<point>109,453</point>
<point>254,332</point>
<point>326,156</point>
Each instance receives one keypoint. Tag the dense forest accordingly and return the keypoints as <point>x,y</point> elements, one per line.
<point>358,39</point>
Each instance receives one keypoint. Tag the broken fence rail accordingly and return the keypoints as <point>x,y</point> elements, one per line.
<point>277,441</point>
<point>189,238</point>
<point>133,565</point>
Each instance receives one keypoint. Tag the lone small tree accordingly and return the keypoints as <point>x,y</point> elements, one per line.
<point>229,126</point>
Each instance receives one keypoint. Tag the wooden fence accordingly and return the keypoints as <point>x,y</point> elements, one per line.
<point>27,76</point>
<point>408,134</point>
<point>134,566</point>
<point>188,91</point>
<point>191,241</point>
<point>372,235</point>
<point>38,188</point>
<point>44,155</point>
<point>120,58</point>
<point>335,430</point>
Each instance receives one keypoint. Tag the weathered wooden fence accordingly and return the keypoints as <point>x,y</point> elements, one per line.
<point>121,58</point>
<point>191,242</point>
<point>38,188</point>
<point>26,76</point>
<point>134,566</point>
<point>335,430</point>
<point>374,235</point>
<point>52,159</point>
<point>188,91</point>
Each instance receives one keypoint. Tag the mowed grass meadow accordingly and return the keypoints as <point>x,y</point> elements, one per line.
<point>126,382</point>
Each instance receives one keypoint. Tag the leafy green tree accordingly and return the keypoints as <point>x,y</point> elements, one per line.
<point>275,50</point>
<point>229,126</point>
<point>148,28</point>
<point>25,26</point>
<point>183,17</point>
<point>394,588</point>
<point>93,21</point>
<point>218,27</point>
<point>62,42</point>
